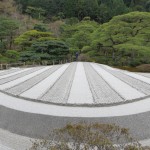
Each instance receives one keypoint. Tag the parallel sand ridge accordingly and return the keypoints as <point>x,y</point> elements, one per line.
<point>75,83</point>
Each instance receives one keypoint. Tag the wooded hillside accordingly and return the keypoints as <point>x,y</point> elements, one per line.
<point>111,32</point>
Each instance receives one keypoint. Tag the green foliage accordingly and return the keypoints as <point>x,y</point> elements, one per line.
<point>8,29</point>
<point>3,59</point>
<point>28,38</point>
<point>78,35</point>
<point>35,12</point>
<point>71,21</point>
<point>125,36</point>
<point>40,27</point>
<point>46,50</point>
<point>86,49</point>
<point>53,48</point>
<point>98,10</point>
<point>123,40</point>
<point>12,55</point>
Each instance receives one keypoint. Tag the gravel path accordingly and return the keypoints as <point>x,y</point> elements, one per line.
<point>74,111</point>
<point>24,86</point>
<point>80,84</point>
<point>101,91</point>
<point>13,83</point>
<point>133,82</point>
<point>80,92</point>
<point>40,88</point>
<point>10,141</point>
<point>62,86</point>
<point>123,89</point>
<point>19,75</point>
<point>37,126</point>
<point>14,73</point>
<point>5,72</point>
<point>145,74</point>
<point>139,77</point>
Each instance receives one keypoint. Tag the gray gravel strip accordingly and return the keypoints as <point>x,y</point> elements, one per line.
<point>62,86</point>
<point>137,84</point>
<point>5,148</point>
<point>6,72</point>
<point>10,141</point>
<point>101,91</point>
<point>24,86</point>
<point>145,74</point>
<point>19,75</point>
<point>37,126</point>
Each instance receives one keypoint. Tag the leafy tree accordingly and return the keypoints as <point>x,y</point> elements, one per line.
<point>148,6</point>
<point>78,35</point>
<point>28,38</point>
<point>12,55</point>
<point>125,36</point>
<point>70,8</point>
<point>71,21</point>
<point>46,51</point>
<point>8,29</point>
<point>99,10</point>
<point>56,49</point>
<point>40,27</point>
<point>35,12</point>
<point>87,8</point>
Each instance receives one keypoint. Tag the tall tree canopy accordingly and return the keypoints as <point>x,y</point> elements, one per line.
<point>8,29</point>
<point>125,37</point>
<point>98,10</point>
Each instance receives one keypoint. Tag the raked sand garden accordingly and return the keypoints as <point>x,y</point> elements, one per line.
<point>36,100</point>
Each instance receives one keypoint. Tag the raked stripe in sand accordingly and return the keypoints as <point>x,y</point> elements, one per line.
<point>43,86</point>
<point>80,91</point>
<point>123,89</point>
<point>70,111</point>
<point>22,79</point>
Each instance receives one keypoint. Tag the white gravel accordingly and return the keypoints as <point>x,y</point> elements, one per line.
<point>126,91</point>
<point>80,92</point>
<point>39,89</point>
<point>101,91</point>
<point>55,110</point>
<point>14,73</point>
<point>19,75</point>
<point>22,79</point>
<point>139,77</point>
<point>60,91</point>
<point>24,86</point>
<point>5,72</point>
<point>85,83</point>
<point>133,82</point>
<point>145,74</point>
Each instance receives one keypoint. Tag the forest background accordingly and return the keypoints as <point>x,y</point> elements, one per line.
<point>113,32</point>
